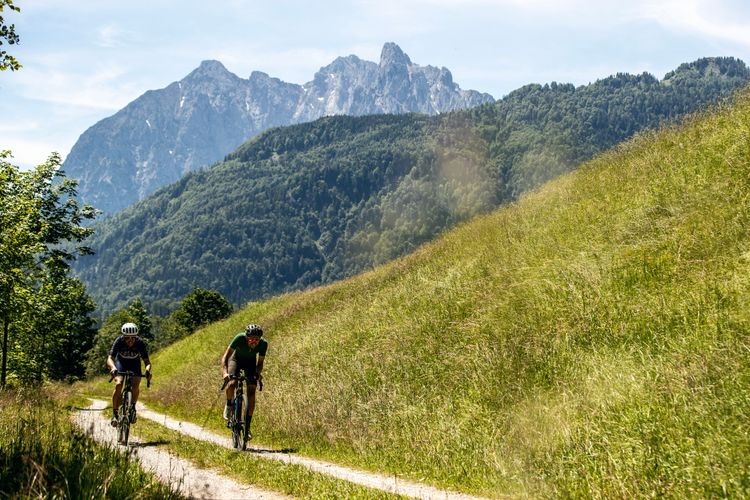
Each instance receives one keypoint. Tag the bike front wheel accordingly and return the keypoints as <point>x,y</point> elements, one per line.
<point>123,424</point>
<point>237,426</point>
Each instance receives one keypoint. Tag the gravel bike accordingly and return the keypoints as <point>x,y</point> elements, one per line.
<point>238,420</point>
<point>126,412</point>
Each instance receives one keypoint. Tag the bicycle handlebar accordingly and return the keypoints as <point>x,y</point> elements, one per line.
<point>240,379</point>
<point>132,374</point>
<point>231,377</point>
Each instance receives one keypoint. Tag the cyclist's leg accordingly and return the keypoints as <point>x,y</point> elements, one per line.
<point>136,387</point>
<point>233,368</point>
<point>250,400</point>
<point>116,398</point>
<point>117,394</point>
<point>251,384</point>
<point>134,366</point>
<point>135,384</point>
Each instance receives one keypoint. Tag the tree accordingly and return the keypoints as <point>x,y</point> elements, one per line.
<point>57,329</point>
<point>96,357</point>
<point>198,308</point>
<point>139,315</point>
<point>40,223</point>
<point>8,33</point>
<point>201,307</point>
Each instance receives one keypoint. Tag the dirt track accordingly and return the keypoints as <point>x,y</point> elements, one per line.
<point>191,481</point>
<point>214,487</point>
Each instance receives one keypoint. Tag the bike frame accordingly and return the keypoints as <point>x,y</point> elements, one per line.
<point>126,401</point>
<point>238,420</point>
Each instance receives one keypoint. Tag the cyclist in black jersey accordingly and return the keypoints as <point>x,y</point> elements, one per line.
<point>246,351</point>
<point>126,354</point>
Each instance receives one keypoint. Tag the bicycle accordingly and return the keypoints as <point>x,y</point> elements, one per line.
<point>238,420</point>
<point>126,412</point>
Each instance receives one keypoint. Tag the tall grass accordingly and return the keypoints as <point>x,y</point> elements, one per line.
<point>588,340</point>
<point>43,456</point>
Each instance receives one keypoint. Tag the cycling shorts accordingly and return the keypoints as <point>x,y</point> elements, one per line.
<point>129,365</point>
<point>234,366</point>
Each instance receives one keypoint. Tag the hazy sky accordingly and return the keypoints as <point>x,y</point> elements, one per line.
<point>85,59</point>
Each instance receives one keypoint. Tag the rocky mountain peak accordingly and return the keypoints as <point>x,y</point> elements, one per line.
<point>210,70</point>
<point>392,55</point>
<point>259,76</point>
<point>446,78</point>
<point>341,65</point>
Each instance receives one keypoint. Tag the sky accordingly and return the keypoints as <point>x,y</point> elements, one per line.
<point>83,60</point>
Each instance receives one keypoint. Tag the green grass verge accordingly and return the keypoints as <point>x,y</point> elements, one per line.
<point>42,455</point>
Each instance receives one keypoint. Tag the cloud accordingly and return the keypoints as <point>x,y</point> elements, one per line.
<point>111,36</point>
<point>29,153</point>
<point>394,8</point>
<point>702,18</point>
<point>107,86</point>
<point>716,19</point>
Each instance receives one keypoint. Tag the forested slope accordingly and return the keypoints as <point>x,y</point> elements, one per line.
<point>309,204</point>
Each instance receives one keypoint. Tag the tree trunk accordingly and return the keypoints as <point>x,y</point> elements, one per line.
<point>5,351</point>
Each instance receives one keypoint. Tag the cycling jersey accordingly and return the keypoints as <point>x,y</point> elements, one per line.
<point>130,356</point>
<point>244,351</point>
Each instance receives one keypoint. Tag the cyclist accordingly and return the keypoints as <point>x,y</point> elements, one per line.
<point>126,354</point>
<point>246,351</point>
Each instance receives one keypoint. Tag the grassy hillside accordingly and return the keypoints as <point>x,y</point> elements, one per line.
<point>590,339</point>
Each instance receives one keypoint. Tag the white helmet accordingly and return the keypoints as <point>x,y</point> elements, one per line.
<point>129,329</point>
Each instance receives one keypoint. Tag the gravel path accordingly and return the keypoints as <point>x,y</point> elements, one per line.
<point>389,484</point>
<point>181,474</point>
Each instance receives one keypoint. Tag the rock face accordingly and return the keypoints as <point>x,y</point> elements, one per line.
<point>165,133</point>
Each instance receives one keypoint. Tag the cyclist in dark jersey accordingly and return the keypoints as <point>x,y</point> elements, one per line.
<point>246,352</point>
<point>126,354</point>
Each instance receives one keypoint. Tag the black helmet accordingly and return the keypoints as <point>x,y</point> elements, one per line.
<point>253,330</point>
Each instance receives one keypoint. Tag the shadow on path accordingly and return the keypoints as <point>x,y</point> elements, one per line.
<point>89,408</point>
<point>262,451</point>
<point>149,444</point>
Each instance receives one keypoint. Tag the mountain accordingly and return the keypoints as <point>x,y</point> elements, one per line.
<point>588,341</point>
<point>309,204</point>
<point>164,134</point>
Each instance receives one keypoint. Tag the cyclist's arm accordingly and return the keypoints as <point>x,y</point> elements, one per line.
<point>113,352</point>
<point>111,364</point>
<point>259,366</point>
<point>145,358</point>
<point>225,362</point>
